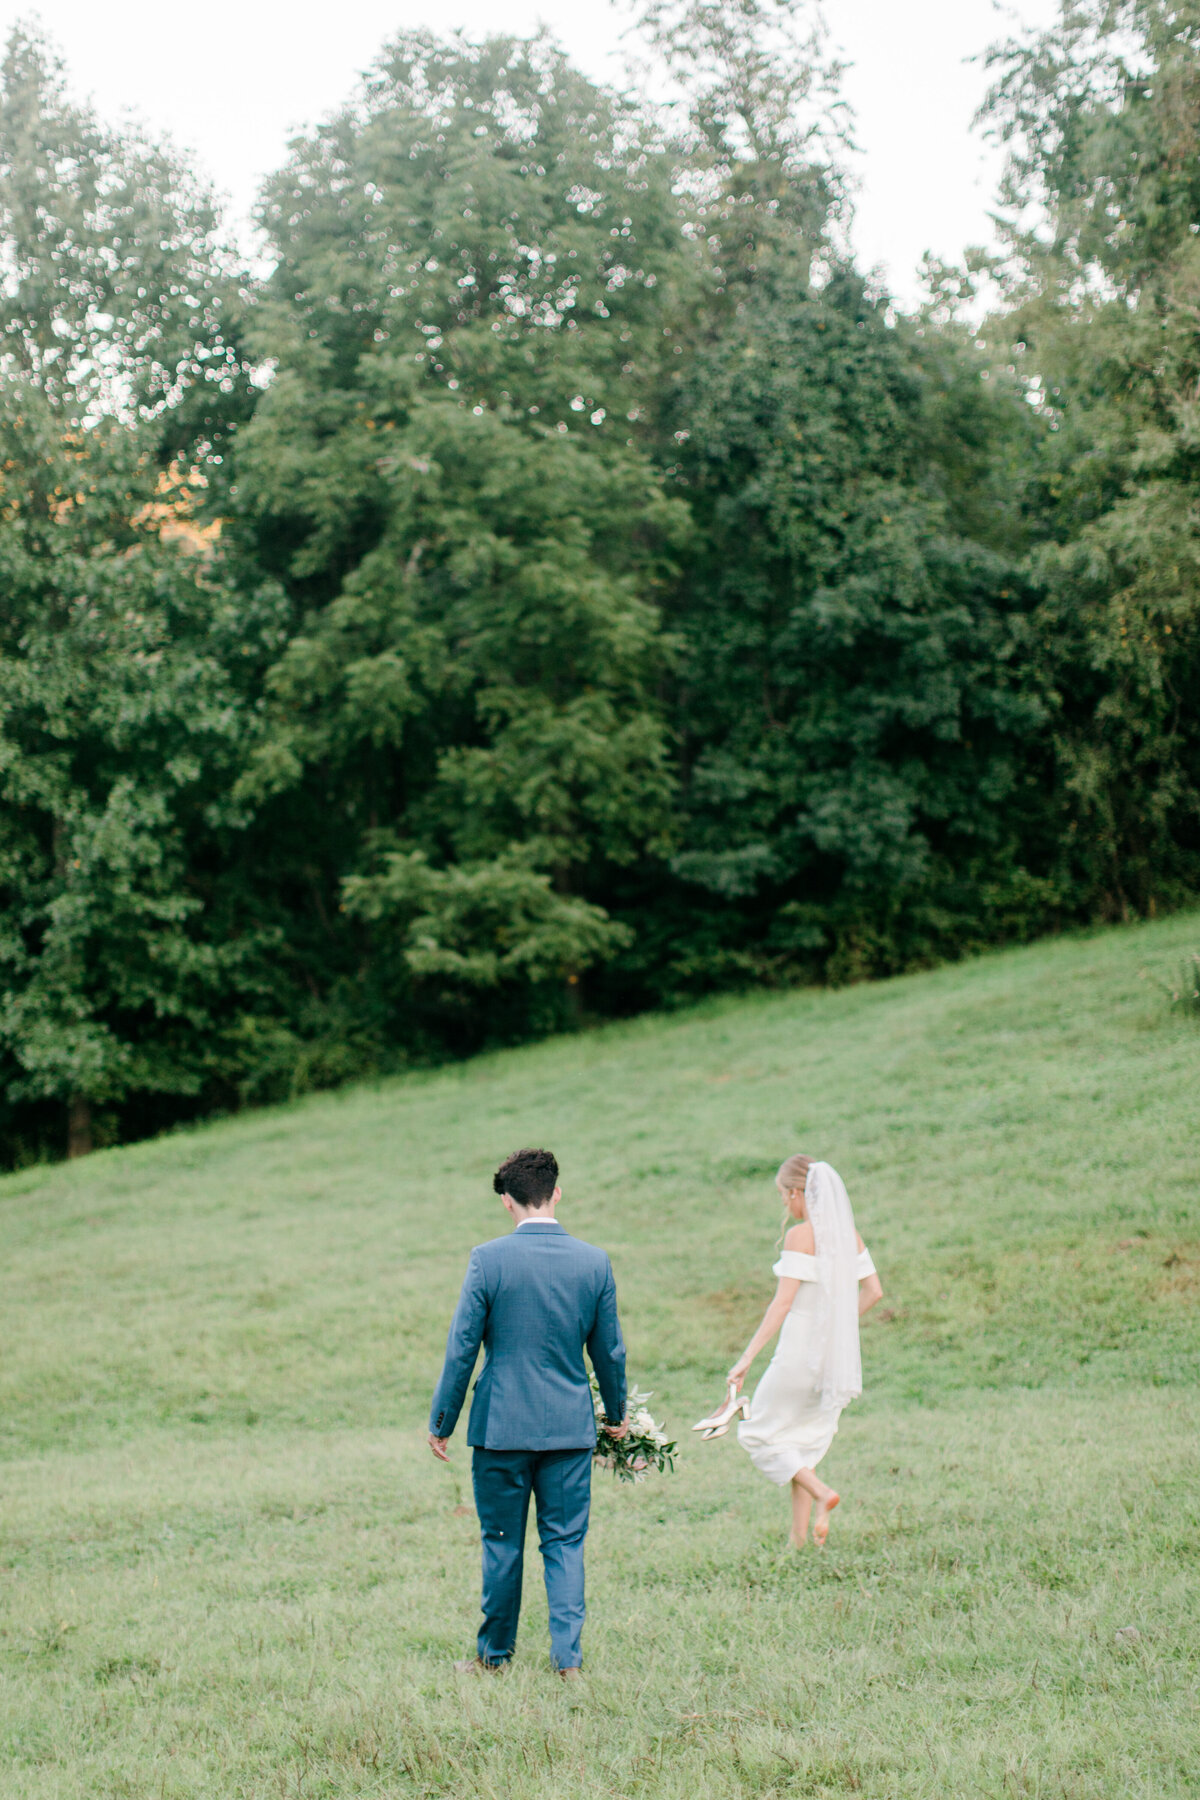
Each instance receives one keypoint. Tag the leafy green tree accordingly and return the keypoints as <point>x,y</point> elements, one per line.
<point>1101,113</point>
<point>857,699</point>
<point>121,733</point>
<point>477,933</point>
<point>124,651</point>
<point>477,271</point>
<point>118,296</point>
<point>854,707</point>
<point>764,129</point>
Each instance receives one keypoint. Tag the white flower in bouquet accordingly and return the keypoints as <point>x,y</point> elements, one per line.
<point>645,1445</point>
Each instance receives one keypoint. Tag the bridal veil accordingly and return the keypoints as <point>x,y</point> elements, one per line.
<point>836,1358</point>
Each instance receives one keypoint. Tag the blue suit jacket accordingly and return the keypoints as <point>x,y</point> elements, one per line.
<point>533,1299</point>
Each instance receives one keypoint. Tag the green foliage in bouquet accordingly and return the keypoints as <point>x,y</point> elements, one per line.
<point>645,1445</point>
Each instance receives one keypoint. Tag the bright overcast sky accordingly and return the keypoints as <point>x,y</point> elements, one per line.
<point>230,80</point>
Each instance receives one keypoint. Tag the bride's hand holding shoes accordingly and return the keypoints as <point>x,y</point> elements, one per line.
<point>718,1423</point>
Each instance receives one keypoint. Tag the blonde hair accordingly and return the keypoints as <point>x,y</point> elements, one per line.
<point>793,1173</point>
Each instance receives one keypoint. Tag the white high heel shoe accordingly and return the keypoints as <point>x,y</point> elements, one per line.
<point>718,1423</point>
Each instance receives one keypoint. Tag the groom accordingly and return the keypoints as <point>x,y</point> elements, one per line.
<point>533,1299</point>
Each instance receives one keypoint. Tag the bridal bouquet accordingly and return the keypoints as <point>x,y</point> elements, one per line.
<point>645,1445</point>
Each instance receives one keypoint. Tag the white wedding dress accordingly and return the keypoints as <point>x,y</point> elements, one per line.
<point>792,1423</point>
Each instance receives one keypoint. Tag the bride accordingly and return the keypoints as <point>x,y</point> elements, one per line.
<point>827,1281</point>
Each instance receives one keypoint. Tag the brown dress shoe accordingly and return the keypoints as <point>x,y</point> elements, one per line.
<point>475,1665</point>
<point>570,1674</point>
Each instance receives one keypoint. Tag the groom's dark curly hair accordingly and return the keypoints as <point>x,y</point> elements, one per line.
<point>527,1176</point>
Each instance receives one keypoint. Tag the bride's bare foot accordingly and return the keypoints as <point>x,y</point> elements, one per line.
<point>821,1521</point>
<point>801,1507</point>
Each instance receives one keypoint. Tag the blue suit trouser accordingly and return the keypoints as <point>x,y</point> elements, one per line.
<point>561,1483</point>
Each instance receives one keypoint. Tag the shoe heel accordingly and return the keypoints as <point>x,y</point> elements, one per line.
<point>718,1423</point>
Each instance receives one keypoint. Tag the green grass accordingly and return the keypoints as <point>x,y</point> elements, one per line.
<point>228,1566</point>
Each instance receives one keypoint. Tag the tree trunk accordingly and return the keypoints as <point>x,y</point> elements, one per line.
<point>79,1127</point>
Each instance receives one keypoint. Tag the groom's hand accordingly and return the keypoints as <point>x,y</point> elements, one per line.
<point>438,1446</point>
<point>617,1431</point>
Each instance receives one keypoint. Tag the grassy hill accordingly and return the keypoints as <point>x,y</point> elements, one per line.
<point>229,1567</point>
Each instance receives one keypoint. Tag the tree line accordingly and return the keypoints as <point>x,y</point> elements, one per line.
<point>565,584</point>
